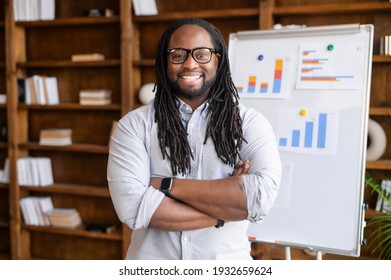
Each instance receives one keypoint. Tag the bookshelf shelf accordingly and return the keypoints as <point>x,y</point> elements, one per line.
<point>333,9</point>
<point>207,14</point>
<point>69,64</point>
<point>70,21</point>
<point>71,189</point>
<point>80,232</point>
<point>72,106</point>
<point>78,148</point>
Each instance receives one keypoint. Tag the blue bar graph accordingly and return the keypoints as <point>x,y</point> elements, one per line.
<point>308,133</point>
<point>295,138</point>
<point>322,131</point>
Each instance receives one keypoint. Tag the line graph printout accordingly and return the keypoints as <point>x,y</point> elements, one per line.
<point>262,76</point>
<point>330,66</point>
<point>308,131</point>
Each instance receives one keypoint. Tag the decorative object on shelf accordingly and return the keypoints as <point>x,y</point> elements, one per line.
<point>55,136</point>
<point>377,141</point>
<point>99,13</point>
<point>101,228</point>
<point>146,93</point>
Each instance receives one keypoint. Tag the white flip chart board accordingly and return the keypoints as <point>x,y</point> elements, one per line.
<point>313,85</point>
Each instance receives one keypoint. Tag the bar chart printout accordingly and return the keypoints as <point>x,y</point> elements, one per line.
<point>262,78</point>
<point>329,66</point>
<point>308,131</point>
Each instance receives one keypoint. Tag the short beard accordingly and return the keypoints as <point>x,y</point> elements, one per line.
<point>192,94</point>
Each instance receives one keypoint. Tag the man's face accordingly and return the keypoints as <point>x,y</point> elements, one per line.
<point>192,80</point>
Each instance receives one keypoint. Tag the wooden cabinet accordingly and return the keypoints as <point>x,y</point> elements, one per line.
<point>79,170</point>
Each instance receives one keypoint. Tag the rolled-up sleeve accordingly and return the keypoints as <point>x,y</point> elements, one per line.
<point>262,183</point>
<point>128,173</point>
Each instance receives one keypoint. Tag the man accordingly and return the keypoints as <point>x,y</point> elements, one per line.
<point>179,168</point>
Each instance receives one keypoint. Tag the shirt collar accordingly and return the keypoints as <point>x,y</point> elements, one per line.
<point>186,110</point>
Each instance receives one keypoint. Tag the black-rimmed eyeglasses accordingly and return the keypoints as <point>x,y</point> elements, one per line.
<point>201,55</point>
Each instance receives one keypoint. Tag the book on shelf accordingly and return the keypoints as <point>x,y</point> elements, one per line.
<point>64,217</point>
<point>34,171</point>
<point>5,174</point>
<point>55,136</point>
<point>35,209</point>
<point>385,45</point>
<point>144,7</point>
<point>87,57</point>
<point>382,204</point>
<point>37,89</point>
<point>33,10</point>
<point>95,96</point>
<point>3,98</point>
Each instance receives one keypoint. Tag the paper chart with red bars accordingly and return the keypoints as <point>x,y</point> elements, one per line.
<point>260,75</point>
<point>330,66</point>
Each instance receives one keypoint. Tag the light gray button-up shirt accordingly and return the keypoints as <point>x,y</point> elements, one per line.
<point>135,157</point>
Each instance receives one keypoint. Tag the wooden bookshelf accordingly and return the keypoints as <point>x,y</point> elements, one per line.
<point>79,170</point>
<point>129,44</point>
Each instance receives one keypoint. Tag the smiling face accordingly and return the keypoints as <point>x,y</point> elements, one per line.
<point>191,80</point>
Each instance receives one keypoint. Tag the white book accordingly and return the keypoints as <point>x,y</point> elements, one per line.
<point>23,207</point>
<point>39,90</point>
<point>27,91</point>
<point>47,9</point>
<point>51,90</point>
<point>46,205</point>
<point>386,45</point>
<point>45,171</point>
<point>386,206</point>
<point>5,177</point>
<point>55,141</point>
<point>136,7</point>
<point>16,10</point>
<point>38,212</point>
<point>148,7</point>
<point>380,199</point>
<point>34,174</point>
<point>33,218</point>
<point>22,172</point>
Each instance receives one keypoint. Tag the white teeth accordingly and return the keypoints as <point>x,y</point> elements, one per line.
<point>190,77</point>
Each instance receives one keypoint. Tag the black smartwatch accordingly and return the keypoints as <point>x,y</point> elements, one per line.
<point>220,223</point>
<point>165,187</point>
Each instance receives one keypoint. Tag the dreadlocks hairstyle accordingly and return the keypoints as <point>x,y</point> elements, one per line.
<point>224,123</point>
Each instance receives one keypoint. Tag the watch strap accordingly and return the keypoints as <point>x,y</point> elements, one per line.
<point>220,223</point>
<point>165,187</point>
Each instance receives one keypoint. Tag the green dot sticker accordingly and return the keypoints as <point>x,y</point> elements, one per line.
<point>330,47</point>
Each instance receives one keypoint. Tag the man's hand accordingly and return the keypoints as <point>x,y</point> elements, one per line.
<point>241,168</point>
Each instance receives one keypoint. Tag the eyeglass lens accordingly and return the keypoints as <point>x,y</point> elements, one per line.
<point>200,55</point>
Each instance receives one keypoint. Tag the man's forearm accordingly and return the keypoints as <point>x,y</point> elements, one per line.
<point>223,198</point>
<point>175,216</point>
